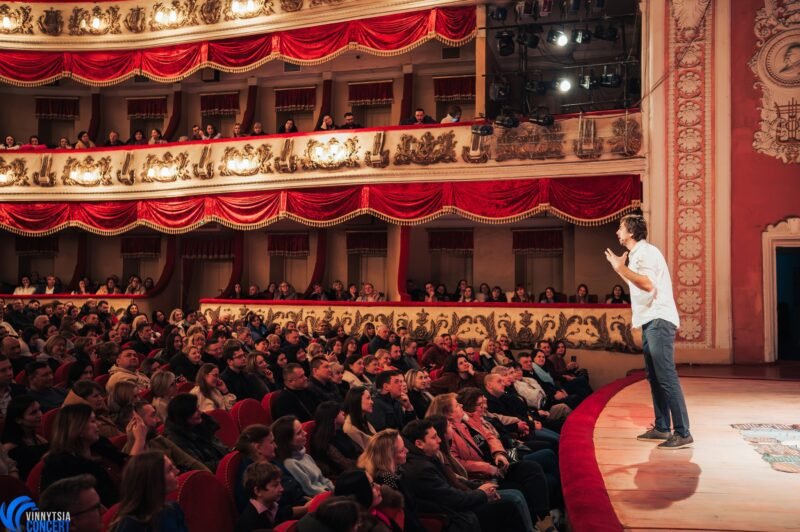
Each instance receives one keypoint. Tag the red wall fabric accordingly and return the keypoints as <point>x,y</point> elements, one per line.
<point>583,200</point>
<point>764,191</point>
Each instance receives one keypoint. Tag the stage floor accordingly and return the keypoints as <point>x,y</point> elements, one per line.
<point>722,483</point>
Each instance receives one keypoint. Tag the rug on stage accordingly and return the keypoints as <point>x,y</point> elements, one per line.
<point>778,445</point>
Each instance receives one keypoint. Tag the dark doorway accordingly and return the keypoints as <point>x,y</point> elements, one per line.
<point>788,276</point>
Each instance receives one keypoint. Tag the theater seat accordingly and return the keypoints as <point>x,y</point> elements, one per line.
<point>185,386</point>
<point>102,380</point>
<point>120,441</point>
<point>109,516</point>
<point>286,526</point>
<point>205,502</point>
<point>266,402</point>
<point>226,473</point>
<point>227,433</point>
<point>318,500</point>
<point>248,412</point>
<point>62,372</point>
<point>46,426</point>
<point>433,522</point>
<point>21,378</point>
<point>11,488</point>
<point>34,481</point>
<point>309,427</point>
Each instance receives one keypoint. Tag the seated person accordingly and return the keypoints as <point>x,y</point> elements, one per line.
<point>84,142</point>
<point>392,409</point>
<point>290,443</point>
<point>78,496</point>
<point>555,392</point>
<point>548,296</point>
<point>137,139</point>
<point>288,127</point>
<point>211,133</point>
<point>453,114</point>
<point>618,296</point>
<point>91,393</point>
<point>237,131</point>
<point>258,130</point>
<point>350,122</point>
<point>326,123</point>
<point>10,143</point>
<point>335,513</point>
<point>321,384</point>
<point>155,137</point>
<point>197,133</point>
<point>20,438</point>
<point>211,391</point>
<point>262,484</point>
<point>419,118</point>
<point>332,449</point>
<point>581,295</point>
<point>33,144</point>
<point>125,369</point>
<point>521,295</point>
<point>458,373</point>
<point>113,139</point>
<point>40,386</point>
<point>296,399</point>
<point>358,404</point>
<point>193,431</point>
<point>64,144</point>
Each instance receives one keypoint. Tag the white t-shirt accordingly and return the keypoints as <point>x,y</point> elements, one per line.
<point>646,259</point>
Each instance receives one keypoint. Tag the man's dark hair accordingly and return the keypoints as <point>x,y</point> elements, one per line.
<point>417,430</point>
<point>33,367</point>
<point>258,476</point>
<point>229,349</point>
<point>288,370</point>
<point>338,513</point>
<point>635,225</point>
<point>62,494</point>
<point>419,109</point>
<point>348,114</point>
<point>383,378</point>
<point>140,327</point>
<point>524,355</point>
<point>317,361</point>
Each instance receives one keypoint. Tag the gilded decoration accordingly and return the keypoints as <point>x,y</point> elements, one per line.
<point>581,328</point>
<point>529,142</point>
<point>287,162</point>
<point>330,155</point>
<point>44,177</point>
<point>588,145</point>
<point>50,22</point>
<point>315,3</point>
<point>172,15</point>
<point>211,11</point>
<point>478,149</point>
<point>427,149</point>
<point>16,21</point>
<point>776,65</point>
<point>95,21</point>
<point>627,138</point>
<point>127,176</point>
<point>13,173</point>
<point>690,157</point>
<point>205,168</point>
<point>87,172</point>
<point>377,157</point>
<point>244,9</point>
<point>247,161</point>
<point>291,5</point>
<point>136,20</point>
<point>165,169</point>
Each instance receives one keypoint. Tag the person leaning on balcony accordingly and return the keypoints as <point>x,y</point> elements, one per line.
<point>138,138</point>
<point>368,294</point>
<point>211,133</point>
<point>288,127</point>
<point>258,130</point>
<point>64,144</point>
<point>155,137</point>
<point>33,144</point>
<point>84,141</point>
<point>113,139</point>
<point>9,143</point>
<point>419,118</point>
<point>197,133</point>
<point>326,123</point>
<point>453,115</point>
<point>350,122</point>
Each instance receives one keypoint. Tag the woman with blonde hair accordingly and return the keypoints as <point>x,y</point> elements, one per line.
<point>491,356</point>
<point>55,352</point>
<point>257,365</point>
<point>418,382</point>
<point>120,403</point>
<point>211,391</point>
<point>163,386</point>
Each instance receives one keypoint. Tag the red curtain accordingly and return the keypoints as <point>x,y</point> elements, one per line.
<point>387,35</point>
<point>367,243</point>
<point>372,93</point>
<point>288,245</point>
<point>47,245</point>
<point>206,248</point>
<point>580,200</point>
<point>144,108</point>
<point>460,241</point>
<point>454,89</point>
<point>299,99</point>
<point>140,246</point>
<point>538,241</point>
<point>57,108</point>
<point>226,104</point>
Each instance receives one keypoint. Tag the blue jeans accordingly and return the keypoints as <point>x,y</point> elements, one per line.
<point>658,340</point>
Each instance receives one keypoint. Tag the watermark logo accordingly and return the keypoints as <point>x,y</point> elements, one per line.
<point>11,515</point>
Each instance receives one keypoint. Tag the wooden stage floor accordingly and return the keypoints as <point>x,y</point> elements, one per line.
<point>722,483</point>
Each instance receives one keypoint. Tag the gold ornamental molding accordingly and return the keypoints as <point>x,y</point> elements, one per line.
<point>394,154</point>
<point>776,65</point>
<point>595,328</point>
<point>129,24</point>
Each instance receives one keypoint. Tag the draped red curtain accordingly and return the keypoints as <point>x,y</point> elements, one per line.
<point>47,245</point>
<point>537,241</point>
<point>459,241</point>
<point>140,246</point>
<point>367,242</point>
<point>580,200</point>
<point>371,93</point>
<point>206,248</point>
<point>57,108</point>
<point>387,35</point>
<point>144,108</point>
<point>452,89</point>
<point>226,104</point>
<point>298,99</point>
<point>288,245</point>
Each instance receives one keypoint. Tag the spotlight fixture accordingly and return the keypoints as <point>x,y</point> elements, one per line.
<point>505,43</point>
<point>581,36</point>
<point>506,121</point>
<point>606,33</point>
<point>536,87</point>
<point>528,35</point>
<point>610,79</point>
<point>588,81</point>
<point>498,92</point>
<point>483,130</point>
<point>544,119</point>
<point>499,14</point>
<point>557,37</point>
<point>562,85</point>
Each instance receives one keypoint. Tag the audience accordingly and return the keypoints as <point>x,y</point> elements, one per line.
<point>193,431</point>
<point>78,496</point>
<point>290,450</point>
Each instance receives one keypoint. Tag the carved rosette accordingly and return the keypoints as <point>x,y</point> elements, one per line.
<point>330,155</point>
<point>87,172</point>
<point>627,138</point>
<point>290,6</point>
<point>690,154</point>
<point>165,169</point>
<point>246,162</point>
<point>776,65</point>
<point>16,21</point>
<point>13,173</point>
<point>427,149</point>
<point>172,15</point>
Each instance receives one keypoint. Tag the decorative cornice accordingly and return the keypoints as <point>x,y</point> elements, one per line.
<point>396,154</point>
<point>132,24</point>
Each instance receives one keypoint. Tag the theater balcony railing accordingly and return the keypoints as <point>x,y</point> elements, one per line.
<point>587,145</point>
<point>591,327</point>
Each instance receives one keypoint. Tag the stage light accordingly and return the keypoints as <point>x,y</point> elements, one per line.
<point>545,120</point>
<point>610,79</point>
<point>557,37</point>
<point>483,130</point>
<point>581,36</point>
<point>606,33</point>
<point>505,43</point>
<point>499,14</point>
<point>528,35</point>
<point>506,121</point>
<point>562,85</point>
<point>588,81</point>
<point>536,87</point>
<point>498,92</point>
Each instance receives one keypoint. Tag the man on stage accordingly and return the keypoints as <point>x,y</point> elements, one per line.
<point>653,308</point>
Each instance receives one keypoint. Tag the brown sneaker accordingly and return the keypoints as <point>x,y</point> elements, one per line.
<point>653,435</point>
<point>676,441</point>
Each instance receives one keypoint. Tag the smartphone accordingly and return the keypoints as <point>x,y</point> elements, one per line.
<point>573,358</point>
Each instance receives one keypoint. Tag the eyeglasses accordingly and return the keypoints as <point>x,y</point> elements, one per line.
<point>96,508</point>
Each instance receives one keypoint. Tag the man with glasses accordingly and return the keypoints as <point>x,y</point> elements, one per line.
<point>241,384</point>
<point>296,399</point>
<point>77,496</point>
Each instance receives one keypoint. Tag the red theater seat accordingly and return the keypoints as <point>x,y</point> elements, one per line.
<point>34,481</point>
<point>227,433</point>
<point>46,427</point>
<point>62,372</point>
<point>109,516</point>
<point>286,526</point>
<point>205,503</point>
<point>102,380</point>
<point>266,402</point>
<point>226,473</point>
<point>309,427</point>
<point>248,412</point>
